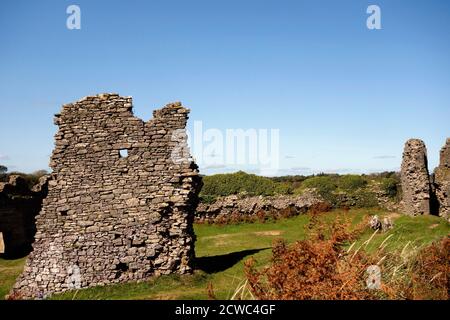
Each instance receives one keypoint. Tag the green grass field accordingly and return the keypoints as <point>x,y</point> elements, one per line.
<point>222,250</point>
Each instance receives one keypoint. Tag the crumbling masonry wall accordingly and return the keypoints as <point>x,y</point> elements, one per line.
<point>442,181</point>
<point>415,179</point>
<point>422,193</point>
<point>110,216</point>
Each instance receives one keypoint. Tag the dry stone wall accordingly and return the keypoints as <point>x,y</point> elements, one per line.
<point>415,179</point>
<point>249,206</point>
<point>244,205</point>
<point>122,203</point>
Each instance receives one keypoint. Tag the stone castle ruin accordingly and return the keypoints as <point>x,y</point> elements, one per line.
<point>415,179</point>
<point>422,193</point>
<point>442,181</point>
<point>121,203</point>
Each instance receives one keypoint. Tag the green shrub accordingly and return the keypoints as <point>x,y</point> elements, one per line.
<point>323,184</point>
<point>365,199</point>
<point>290,179</point>
<point>241,182</point>
<point>283,188</point>
<point>351,182</point>
<point>390,186</point>
<point>357,199</point>
<point>208,198</point>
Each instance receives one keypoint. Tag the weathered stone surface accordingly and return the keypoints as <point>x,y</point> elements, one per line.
<point>442,181</point>
<point>245,205</point>
<point>383,225</point>
<point>415,179</point>
<point>100,222</point>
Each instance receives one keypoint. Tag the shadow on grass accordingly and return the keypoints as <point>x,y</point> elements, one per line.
<point>224,261</point>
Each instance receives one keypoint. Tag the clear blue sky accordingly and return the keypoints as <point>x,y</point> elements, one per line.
<point>345,98</point>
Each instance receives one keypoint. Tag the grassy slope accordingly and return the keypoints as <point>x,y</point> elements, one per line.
<point>9,270</point>
<point>222,251</point>
<point>408,232</point>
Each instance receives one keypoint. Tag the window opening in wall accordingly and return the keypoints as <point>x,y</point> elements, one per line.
<point>123,153</point>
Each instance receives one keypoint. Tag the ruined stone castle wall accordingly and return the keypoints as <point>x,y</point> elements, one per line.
<point>415,179</point>
<point>122,204</point>
<point>442,181</point>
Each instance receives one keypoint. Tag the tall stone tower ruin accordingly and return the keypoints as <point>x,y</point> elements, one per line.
<point>442,181</point>
<point>415,179</point>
